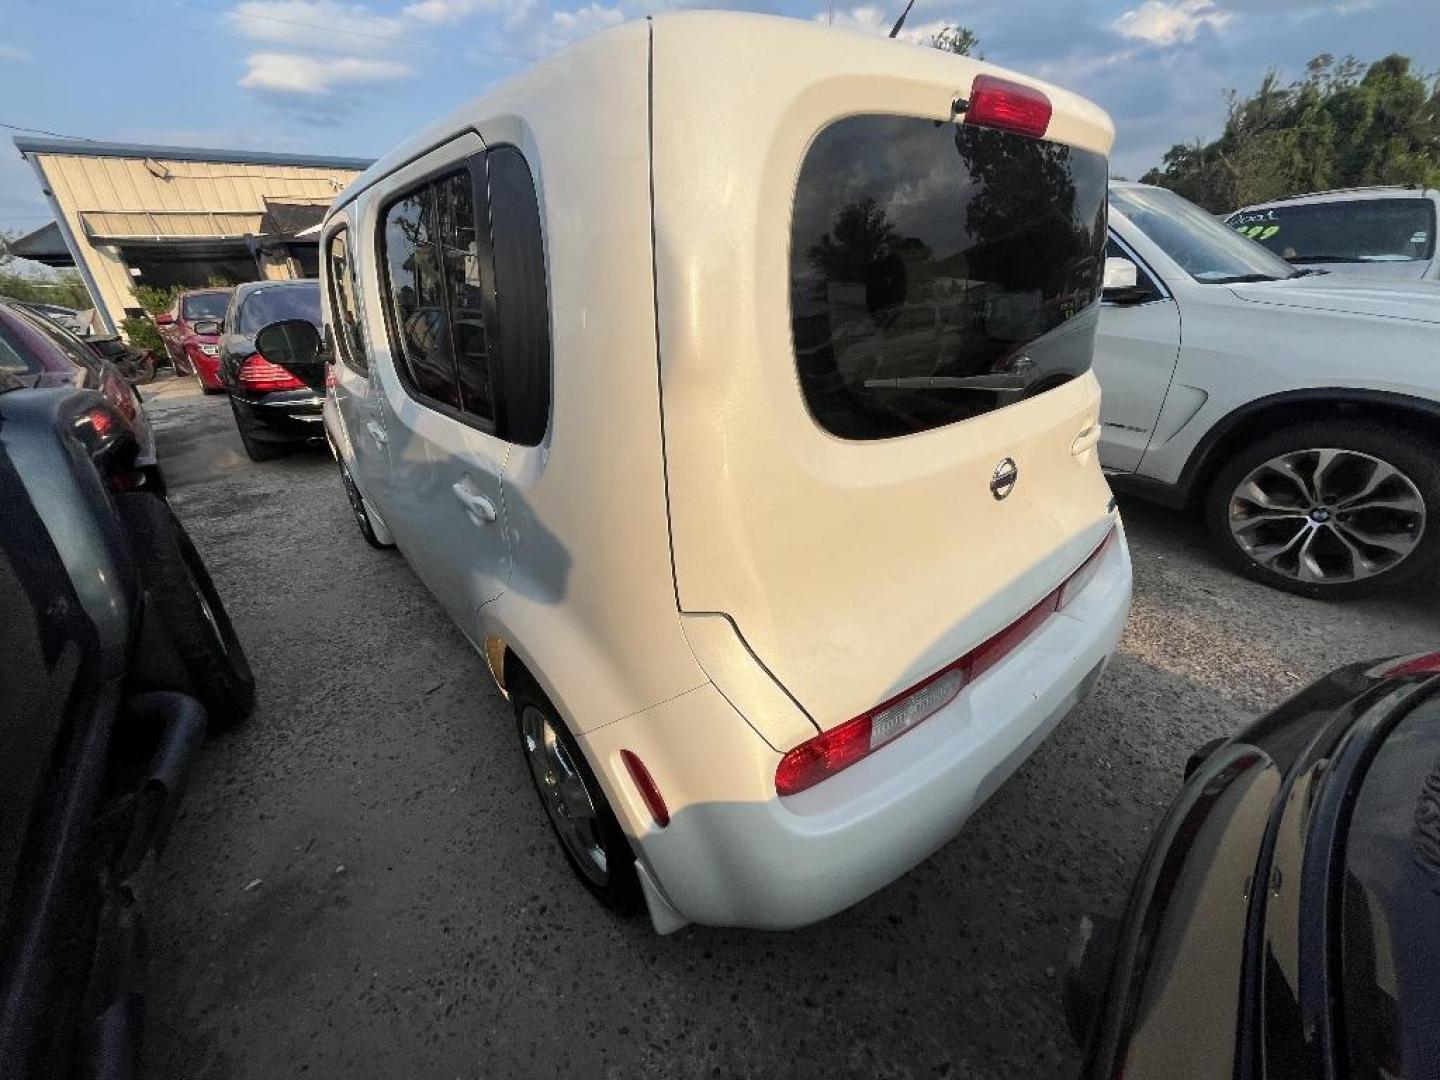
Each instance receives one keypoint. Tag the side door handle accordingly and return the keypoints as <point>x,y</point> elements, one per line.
<point>480,509</point>
<point>376,432</point>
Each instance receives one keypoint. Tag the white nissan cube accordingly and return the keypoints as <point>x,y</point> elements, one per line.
<point>727,380</point>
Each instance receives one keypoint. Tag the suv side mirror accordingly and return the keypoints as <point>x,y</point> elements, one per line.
<point>1122,283</point>
<point>206,326</point>
<point>294,341</point>
<point>164,319</point>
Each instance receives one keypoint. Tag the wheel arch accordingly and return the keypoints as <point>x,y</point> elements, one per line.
<point>1264,416</point>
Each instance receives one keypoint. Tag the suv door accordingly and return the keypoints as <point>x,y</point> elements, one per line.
<point>436,391</point>
<point>1136,349</point>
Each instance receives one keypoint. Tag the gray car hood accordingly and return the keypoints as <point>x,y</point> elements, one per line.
<point>1415,302</point>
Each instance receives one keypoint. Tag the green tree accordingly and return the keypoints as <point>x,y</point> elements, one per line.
<point>1342,125</point>
<point>960,40</point>
<point>63,287</point>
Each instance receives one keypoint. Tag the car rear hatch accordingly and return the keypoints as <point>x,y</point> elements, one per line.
<point>879,414</point>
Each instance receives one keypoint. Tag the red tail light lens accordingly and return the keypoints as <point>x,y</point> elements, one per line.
<point>1008,106</point>
<point>260,375</point>
<point>831,751</point>
<point>649,790</point>
<point>1415,665</point>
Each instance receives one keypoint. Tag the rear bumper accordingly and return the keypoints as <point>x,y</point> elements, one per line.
<point>737,854</point>
<point>288,416</point>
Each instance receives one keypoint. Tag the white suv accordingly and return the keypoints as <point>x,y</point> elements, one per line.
<point>1381,233</point>
<point>780,581</point>
<point>1301,409</point>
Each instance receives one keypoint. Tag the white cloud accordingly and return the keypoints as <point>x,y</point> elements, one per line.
<point>870,19</point>
<point>294,75</point>
<point>296,23</point>
<point>565,27</point>
<point>448,11</point>
<point>1166,22</point>
<point>9,54</point>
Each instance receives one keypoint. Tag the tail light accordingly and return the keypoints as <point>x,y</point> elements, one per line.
<point>649,790</point>
<point>829,752</point>
<point>1008,106</point>
<point>111,445</point>
<point>1414,665</point>
<point>260,375</point>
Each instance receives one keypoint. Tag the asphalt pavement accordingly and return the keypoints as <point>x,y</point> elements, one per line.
<point>362,882</point>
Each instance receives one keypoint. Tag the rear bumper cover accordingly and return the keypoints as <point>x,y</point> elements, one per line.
<point>287,416</point>
<point>737,854</point>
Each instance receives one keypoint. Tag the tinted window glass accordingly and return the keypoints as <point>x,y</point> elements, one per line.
<point>277,303</point>
<point>10,356</point>
<point>75,350</point>
<point>522,298</point>
<point>940,271</point>
<point>1359,230</point>
<point>204,306</point>
<point>417,297</point>
<point>347,332</point>
<point>464,292</point>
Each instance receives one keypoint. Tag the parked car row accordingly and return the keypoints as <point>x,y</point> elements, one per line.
<point>118,656</point>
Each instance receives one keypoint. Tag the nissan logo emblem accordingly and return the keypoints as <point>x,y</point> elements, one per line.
<point>1007,475</point>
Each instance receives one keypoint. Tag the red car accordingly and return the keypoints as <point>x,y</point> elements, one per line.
<point>191,331</point>
<point>39,353</point>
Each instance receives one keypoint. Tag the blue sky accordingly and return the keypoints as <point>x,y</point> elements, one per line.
<point>331,76</point>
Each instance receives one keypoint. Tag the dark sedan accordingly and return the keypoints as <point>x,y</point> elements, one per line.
<point>39,353</point>
<point>276,406</point>
<point>1286,919</point>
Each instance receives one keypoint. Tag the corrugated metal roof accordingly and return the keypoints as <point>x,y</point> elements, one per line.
<point>86,148</point>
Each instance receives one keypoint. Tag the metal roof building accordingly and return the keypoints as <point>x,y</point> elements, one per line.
<point>169,215</point>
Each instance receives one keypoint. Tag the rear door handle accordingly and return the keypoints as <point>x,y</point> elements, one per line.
<point>376,432</point>
<point>480,509</point>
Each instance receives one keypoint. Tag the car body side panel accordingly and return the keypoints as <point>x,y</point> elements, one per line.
<point>1237,350</point>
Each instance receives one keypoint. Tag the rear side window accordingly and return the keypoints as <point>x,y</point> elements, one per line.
<point>940,271</point>
<point>465,285</point>
<point>523,315</point>
<point>348,333</point>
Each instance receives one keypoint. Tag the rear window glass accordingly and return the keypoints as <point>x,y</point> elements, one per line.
<point>939,271</point>
<point>1357,230</point>
<point>278,303</point>
<point>204,306</point>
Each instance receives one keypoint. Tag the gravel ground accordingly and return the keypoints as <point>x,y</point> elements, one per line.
<point>363,884</point>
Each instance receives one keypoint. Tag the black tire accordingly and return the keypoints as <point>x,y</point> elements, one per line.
<point>183,609</point>
<point>621,891</point>
<point>358,507</point>
<point>255,450</point>
<point>1416,457</point>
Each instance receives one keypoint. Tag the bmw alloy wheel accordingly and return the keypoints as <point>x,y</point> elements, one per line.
<point>1327,516</point>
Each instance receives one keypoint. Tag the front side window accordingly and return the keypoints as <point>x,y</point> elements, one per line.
<point>1207,250</point>
<point>940,271</point>
<point>1350,230</point>
<point>277,303</point>
<point>348,333</point>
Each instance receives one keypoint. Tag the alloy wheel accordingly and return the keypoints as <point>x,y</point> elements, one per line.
<point>1327,516</point>
<point>565,794</point>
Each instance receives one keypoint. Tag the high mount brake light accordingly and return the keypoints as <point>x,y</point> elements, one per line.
<point>1008,106</point>
<point>259,374</point>
<point>831,751</point>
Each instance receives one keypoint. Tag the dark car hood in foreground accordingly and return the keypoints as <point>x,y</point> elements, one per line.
<point>1286,920</point>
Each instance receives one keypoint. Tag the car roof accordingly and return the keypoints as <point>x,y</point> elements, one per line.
<point>1393,191</point>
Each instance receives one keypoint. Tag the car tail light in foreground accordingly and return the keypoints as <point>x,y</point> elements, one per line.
<point>111,445</point>
<point>1008,106</point>
<point>260,375</point>
<point>649,790</point>
<point>839,748</point>
<point>1414,665</point>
